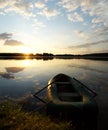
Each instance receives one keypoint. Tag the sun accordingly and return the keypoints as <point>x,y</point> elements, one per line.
<point>25,50</point>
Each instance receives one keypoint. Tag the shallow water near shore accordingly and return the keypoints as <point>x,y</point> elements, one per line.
<point>19,79</point>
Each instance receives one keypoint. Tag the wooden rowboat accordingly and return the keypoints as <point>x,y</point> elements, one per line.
<point>68,95</point>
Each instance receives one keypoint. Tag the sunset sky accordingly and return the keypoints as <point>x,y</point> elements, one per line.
<point>55,26</point>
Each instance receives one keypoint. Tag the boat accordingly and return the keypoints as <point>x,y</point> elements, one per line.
<point>68,95</point>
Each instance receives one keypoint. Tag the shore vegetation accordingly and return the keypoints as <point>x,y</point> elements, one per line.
<point>12,118</point>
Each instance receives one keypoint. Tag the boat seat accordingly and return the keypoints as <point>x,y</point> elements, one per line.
<point>73,97</point>
<point>65,87</point>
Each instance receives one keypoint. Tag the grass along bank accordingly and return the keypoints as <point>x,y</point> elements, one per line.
<point>11,118</point>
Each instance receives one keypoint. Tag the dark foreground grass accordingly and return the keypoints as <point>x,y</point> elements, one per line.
<point>11,118</point>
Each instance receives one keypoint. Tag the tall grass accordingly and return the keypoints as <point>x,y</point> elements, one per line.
<point>11,118</point>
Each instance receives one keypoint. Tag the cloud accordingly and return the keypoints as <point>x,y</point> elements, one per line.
<point>5,3</point>
<point>87,5</point>
<point>75,17</point>
<point>5,36</point>
<point>102,32</point>
<point>97,20</point>
<point>27,8</point>
<point>7,39</point>
<point>81,34</point>
<point>13,43</point>
<point>22,7</point>
<point>90,44</point>
<point>40,4</point>
<point>14,69</point>
<point>69,5</point>
<point>99,33</point>
<point>97,8</point>
<point>48,12</point>
<point>7,75</point>
<point>92,12</point>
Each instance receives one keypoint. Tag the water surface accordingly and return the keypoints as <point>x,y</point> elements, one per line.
<point>21,78</point>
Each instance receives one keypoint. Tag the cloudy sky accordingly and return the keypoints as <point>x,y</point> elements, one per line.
<point>55,26</point>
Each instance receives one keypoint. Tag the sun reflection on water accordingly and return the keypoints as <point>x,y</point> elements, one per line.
<point>27,62</point>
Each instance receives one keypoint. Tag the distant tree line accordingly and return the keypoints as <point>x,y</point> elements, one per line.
<point>46,56</point>
<point>43,56</point>
<point>97,54</point>
<point>23,54</point>
<point>11,54</point>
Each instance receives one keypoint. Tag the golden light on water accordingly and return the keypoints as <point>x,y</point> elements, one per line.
<point>27,62</point>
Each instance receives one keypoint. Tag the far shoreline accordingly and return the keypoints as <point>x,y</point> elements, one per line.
<point>49,56</point>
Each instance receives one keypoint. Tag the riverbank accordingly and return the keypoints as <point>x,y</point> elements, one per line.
<point>12,118</point>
